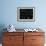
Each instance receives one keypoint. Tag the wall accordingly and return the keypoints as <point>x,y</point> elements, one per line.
<point>8,13</point>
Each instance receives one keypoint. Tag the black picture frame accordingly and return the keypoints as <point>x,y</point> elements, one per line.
<point>26,14</point>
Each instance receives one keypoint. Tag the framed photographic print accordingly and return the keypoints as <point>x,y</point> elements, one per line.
<point>26,14</point>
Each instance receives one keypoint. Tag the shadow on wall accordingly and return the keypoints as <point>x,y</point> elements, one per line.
<point>2,26</point>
